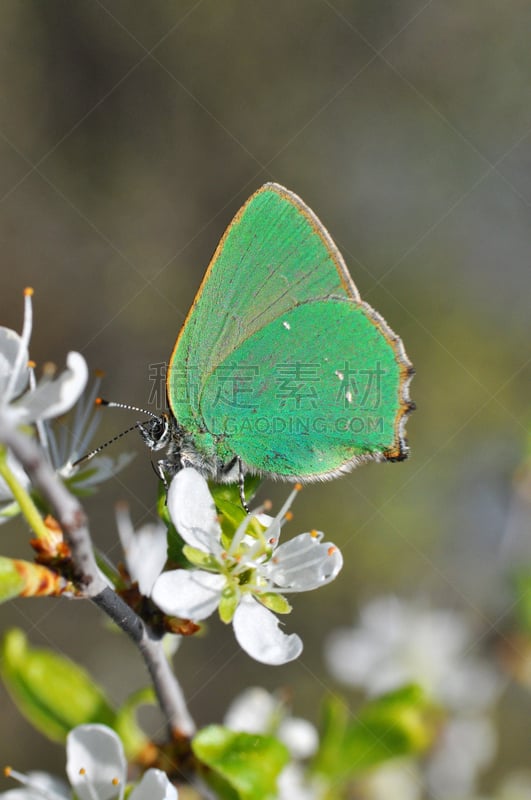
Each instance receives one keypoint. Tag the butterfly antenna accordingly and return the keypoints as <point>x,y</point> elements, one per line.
<point>111,404</point>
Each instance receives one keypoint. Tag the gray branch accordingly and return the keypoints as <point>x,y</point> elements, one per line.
<point>72,519</point>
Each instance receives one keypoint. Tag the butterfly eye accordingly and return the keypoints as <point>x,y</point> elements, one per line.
<point>156,432</point>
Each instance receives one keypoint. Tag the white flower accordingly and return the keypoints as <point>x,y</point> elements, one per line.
<point>22,403</point>
<point>145,550</point>
<point>70,438</point>
<point>398,779</point>
<point>245,577</point>
<point>97,770</point>
<point>466,747</point>
<point>399,642</point>
<point>255,710</point>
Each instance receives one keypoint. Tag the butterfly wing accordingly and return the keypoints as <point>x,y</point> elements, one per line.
<point>274,261</point>
<point>313,393</point>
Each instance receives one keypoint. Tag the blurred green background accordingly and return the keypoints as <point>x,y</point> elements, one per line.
<point>131,133</point>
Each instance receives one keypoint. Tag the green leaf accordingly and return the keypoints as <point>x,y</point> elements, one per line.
<point>11,581</point>
<point>74,481</point>
<point>228,603</point>
<point>335,718</point>
<point>275,602</point>
<point>175,541</point>
<point>200,559</point>
<point>397,724</point>
<point>522,585</point>
<point>249,763</point>
<point>133,737</point>
<point>10,511</point>
<point>228,503</point>
<point>52,692</point>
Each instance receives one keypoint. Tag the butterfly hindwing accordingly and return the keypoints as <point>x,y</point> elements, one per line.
<point>310,394</point>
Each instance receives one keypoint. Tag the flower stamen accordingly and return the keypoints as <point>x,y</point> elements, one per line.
<point>88,786</point>
<point>25,337</point>
<point>37,790</point>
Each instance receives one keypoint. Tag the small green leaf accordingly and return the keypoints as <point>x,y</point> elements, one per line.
<point>133,737</point>
<point>200,559</point>
<point>276,602</point>
<point>175,541</point>
<point>335,717</point>
<point>522,585</point>
<point>397,724</point>
<point>228,503</point>
<point>248,762</point>
<point>10,511</point>
<point>76,482</point>
<point>53,693</point>
<point>11,581</point>
<point>230,597</point>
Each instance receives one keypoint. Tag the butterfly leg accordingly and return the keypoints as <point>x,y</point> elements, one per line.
<point>158,469</point>
<point>241,484</point>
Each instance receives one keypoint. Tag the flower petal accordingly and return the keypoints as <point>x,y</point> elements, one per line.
<point>145,550</point>
<point>38,785</point>
<point>95,761</point>
<point>257,632</point>
<point>54,397</point>
<point>193,511</point>
<point>304,563</point>
<point>10,347</point>
<point>98,470</point>
<point>193,594</point>
<point>252,711</point>
<point>154,786</point>
<point>299,736</point>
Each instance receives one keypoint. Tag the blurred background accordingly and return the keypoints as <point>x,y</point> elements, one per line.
<point>129,136</point>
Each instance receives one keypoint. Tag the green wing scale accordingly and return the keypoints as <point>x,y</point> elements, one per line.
<point>279,362</point>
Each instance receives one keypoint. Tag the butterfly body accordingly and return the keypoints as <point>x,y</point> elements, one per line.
<point>280,368</point>
<point>182,449</point>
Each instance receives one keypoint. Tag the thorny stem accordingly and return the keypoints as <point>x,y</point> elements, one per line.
<point>90,582</point>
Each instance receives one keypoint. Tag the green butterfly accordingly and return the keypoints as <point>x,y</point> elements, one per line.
<point>280,369</point>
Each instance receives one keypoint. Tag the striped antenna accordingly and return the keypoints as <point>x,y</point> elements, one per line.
<point>111,404</point>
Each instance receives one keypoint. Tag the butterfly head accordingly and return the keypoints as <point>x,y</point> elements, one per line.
<point>158,431</point>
